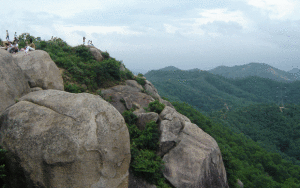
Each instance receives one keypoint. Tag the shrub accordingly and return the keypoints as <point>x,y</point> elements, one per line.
<point>43,45</point>
<point>128,74</point>
<point>144,161</point>
<point>74,88</point>
<point>149,137</point>
<point>147,165</point>
<point>83,52</point>
<point>105,55</point>
<point>2,167</point>
<point>156,106</point>
<point>130,117</point>
<point>141,81</point>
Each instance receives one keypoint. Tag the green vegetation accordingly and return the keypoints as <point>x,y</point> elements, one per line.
<point>276,129</point>
<point>81,71</point>
<point>255,69</point>
<point>140,79</point>
<point>156,106</point>
<point>243,158</point>
<point>2,167</point>
<point>144,145</point>
<point>208,92</point>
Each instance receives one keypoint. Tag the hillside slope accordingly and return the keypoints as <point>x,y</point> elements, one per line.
<point>210,92</point>
<point>255,69</point>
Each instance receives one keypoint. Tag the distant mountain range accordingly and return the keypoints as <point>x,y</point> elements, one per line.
<point>257,69</point>
<point>210,90</point>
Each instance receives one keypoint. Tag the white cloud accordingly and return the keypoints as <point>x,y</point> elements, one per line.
<point>277,9</point>
<point>209,16</point>
<point>73,37</point>
<point>170,29</point>
<point>191,27</point>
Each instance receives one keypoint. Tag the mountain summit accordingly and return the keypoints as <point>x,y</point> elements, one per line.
<point>255,69</point>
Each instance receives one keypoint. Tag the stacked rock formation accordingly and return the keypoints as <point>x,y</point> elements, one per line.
<point>60,139</point>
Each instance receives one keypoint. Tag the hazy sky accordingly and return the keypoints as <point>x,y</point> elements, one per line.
<point>152,34</point>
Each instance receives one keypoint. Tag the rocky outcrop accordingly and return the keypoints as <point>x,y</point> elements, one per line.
<point>39,69</point>
<point>96,53</point>
<point>240,183</point>
<point>144,118</point>
<point>135,182</point>
<point>125,97</point>
<point>191,157</point>
<point>60,139</point>
<point>149,87</point>
<point>152,90</point>
<point>13,84</point>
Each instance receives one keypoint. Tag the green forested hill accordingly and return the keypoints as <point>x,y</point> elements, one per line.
<point>244,158</point>
<point>276,129</point>
<point>255,69</point>
<point>209,92</point>
<point>260,142</point>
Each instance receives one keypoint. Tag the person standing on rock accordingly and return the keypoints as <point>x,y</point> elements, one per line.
<point>15,37</point>
<point>91,43</point>
<point>84,40</point>
<point>7,35</point>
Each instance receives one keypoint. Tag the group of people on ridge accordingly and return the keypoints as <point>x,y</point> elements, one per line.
<point>90,43</point>
<point>13,47</point>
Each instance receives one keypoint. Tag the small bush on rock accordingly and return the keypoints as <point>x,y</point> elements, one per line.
<point>144,144</point>
<point>156,106</point>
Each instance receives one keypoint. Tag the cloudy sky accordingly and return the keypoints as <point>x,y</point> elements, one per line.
<point>152,34</point>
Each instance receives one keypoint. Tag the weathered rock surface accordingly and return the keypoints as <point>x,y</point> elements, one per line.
<point>60,139</point>
<point>96,53</point>
<point>35,89</point>
<point>152,90</point>
<point>124,97</point>
<point>40,70</point>
<point>13,84</point>
<point>144,118</point>
<point>192,157</point>
<point>149,87</point>
<point>135,182</point>
<point>240,183</point>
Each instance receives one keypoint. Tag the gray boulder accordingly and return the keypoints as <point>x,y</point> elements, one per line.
<point>35,89</point>
<point>60,139</point>
<point>124,97</point>
<point>152,90</point>
<point>144,118</point>
<point>39,69</point>
<point>13,84</point>
<point>96,53</point>
<point>192,157</point>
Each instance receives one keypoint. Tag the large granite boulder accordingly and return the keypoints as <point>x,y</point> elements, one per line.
<point>60,139</point>
<point>39,69</point>
<point>125,97</point>
<point>191,157</point>
<point>13,84</point>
